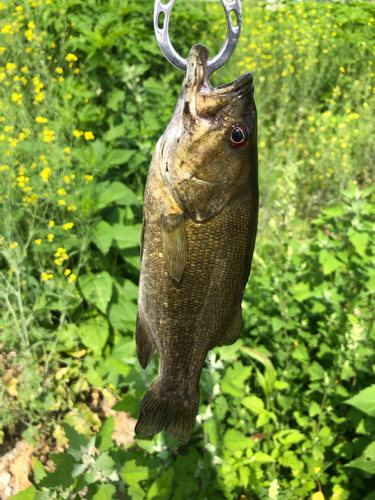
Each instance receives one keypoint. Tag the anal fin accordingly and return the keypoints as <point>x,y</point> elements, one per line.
<point>233,331</point>
<point>145,348</point>
<point>174,244</point>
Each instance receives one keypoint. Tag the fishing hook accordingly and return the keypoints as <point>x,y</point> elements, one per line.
<point>231,40</point>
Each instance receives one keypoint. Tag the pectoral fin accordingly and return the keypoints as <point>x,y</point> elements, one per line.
<point>233,330</point>
<point>174,244</point>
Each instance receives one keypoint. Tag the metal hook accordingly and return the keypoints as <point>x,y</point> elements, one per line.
<point>231,40</point>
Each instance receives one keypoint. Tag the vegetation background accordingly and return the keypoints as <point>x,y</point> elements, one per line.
<point>288,411</point>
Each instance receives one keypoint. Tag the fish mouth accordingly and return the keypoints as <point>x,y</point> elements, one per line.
<point>242,83</point>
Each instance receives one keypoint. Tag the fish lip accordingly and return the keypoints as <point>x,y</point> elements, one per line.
<point>238,85</point>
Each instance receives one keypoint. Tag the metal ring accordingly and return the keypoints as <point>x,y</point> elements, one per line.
<point>231,40</point>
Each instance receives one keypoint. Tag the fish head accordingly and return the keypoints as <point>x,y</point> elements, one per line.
<point>208,153</point>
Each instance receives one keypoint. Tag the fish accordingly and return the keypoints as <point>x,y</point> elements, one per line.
<point>198,235</point>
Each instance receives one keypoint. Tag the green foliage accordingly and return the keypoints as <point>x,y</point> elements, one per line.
<point>287,410</point>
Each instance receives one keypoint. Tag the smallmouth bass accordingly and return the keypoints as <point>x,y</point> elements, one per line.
<point>198,236</point>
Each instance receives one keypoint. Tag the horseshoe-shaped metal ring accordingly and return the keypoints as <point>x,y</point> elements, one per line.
<point>231,40</point>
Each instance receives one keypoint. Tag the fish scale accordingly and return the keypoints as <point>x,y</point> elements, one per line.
<point>200,223</point>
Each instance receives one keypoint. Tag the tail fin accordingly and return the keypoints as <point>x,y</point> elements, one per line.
<point>169,411</point>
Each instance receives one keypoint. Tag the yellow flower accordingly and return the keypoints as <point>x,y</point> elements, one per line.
<point>66,150</point>
<point>71,57</point>
<point>311,118</point>
<point>61,202</point>
<point>72,277</point>
<point>40,119</point>
<point>317,469</point>
<point>51,223</point>
<point>342,69</point>
<point>67,179</point>
<point>68,225</point>
<point>72,207</point>
<point>46,276</point>
<point>45,173</point>
<point>50,238</point>
<point>38,242</point>
<point>16,97</point>
<point>318,496</point>
<point>262,144</point>
<point>77,133</point>
<point>60,71</point>
<point>24,69</point>
<point>365,105</point>
<point>13,245</point>
<point>67,272</point>
<point>68,96</point>
<point>61,191</point>
<point>72,176</point>
<point>10,66</point>
<point>89,135</point>
<point>31,25</point>
<point>89,177</point>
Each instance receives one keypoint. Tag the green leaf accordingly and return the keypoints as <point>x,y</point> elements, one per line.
<point>366,461</point>
<point>359,241</point>
<point>129,403</point>
<point>97,288</point>
<point>337,211</point>
<point>39,470</point>
<point>123,315</point>
<point>162,487</point>
<point>102,236</point>
<point>104,464</point>
<point>75,439</point>
<point>31,435</point>
<point>262,458</point>
<point>104,436</point>
<point>62,476</point>
<point>316,371</point>
<point>127,236</point>
<point>119,193</point>
<point>133,473</point>
<point>95,333</point>
<point>254,404</point>
<point>104,492</point>
<point>301,291</point>
<point>364,400</point>
<point>120,156</point>
<point>28,494</point>
<point>235,440</point>
<point>329,262</point>
<point>234,379</point>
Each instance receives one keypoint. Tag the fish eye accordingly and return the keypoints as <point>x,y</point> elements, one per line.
<point>239,136</point>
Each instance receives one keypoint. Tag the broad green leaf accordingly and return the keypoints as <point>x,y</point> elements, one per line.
<point>104,436</point>
<point>263,458</point>
<point>234,378</point>
<point>120,156</point>
<point>359,241</point>
<point>301,291</point>
<point>301,354</point>
<point>235,440</point>
<point>212,427</point>
<point>329,262</point>
<point>314,409</point>
<point>289,436</point>
<point>105,492</point>
<point>129,403</point>
<point>104,464</point>
<point>75,439</point>
<point>28,494</point>
<point>366,461</point>
<point>316,371</point>
<point>337,211</point>
<point>123,315</point>
<point>31,435</point>
<point>133,473</point>
<point>95,333</point>
<point>161,488</point>
<point>62,476</point>
<point>281,385</point>
<point>290,459</point>
<point>115,132</point>
<point>364,400</point>
<point>39,470</point>
<point>136,493</point>
<point>254,404</point>
<point>102,236</point>
<point>127,236</point>
<point>97,288</point>
<point>119,193</point>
